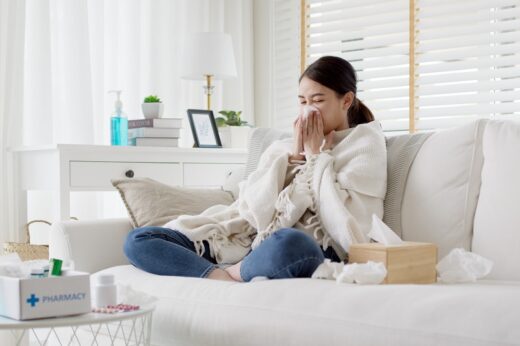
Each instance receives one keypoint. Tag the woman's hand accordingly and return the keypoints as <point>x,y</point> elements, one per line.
<point>314,140</point>
<point>297,153</point>
<point>313,133</point>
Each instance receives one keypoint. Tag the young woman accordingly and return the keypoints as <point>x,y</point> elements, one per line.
<point>309,199</point>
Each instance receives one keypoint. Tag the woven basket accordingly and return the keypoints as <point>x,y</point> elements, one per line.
<point>28,251</point>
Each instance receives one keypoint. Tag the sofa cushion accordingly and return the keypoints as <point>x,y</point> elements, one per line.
<point>259,139</point>
<point>497,219</point>
<point>401,152</point>
<point>442,188</point>
<point>150,203</point>
<point>193,311</point>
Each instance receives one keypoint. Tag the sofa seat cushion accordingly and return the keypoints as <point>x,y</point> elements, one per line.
<point>194,311</point>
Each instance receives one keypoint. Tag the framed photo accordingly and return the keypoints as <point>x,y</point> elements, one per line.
<point>204,128</point>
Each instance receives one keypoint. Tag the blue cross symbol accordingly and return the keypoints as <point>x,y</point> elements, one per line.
<point>33,300</point>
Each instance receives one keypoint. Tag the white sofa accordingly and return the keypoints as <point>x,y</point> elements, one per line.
<point>461,190</point>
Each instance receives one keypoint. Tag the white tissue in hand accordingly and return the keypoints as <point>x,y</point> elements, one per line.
<point>370,273</point>
<point>382,233</point>
<point>463,266</point>
<point>308,109</point>
<point>328,270</point>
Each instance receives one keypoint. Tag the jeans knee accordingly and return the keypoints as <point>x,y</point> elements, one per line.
<point>131,245</point>
<point>297,244</point>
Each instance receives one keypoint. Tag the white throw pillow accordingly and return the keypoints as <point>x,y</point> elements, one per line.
<point>497,219</point>
<point>442,188</point>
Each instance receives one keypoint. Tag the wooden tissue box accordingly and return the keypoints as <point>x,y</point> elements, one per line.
<point>407,263</point>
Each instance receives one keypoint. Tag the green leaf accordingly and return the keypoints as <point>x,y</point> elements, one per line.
<point>220,122</point>
<point>152,99</point>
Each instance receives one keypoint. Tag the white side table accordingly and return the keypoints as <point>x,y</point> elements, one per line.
<point>123,328</point>
<point>64,168</point>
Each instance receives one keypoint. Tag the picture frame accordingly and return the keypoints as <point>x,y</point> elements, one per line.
<point>204,128</point>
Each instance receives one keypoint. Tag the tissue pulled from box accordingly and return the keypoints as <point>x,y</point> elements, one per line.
<point>381,233</point>
<point>462,266</point>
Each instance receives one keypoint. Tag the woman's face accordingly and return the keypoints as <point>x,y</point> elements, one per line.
<point>332,108</point>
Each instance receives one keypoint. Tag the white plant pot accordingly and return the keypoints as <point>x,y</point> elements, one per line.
<point>234,136</point>
<point>152,110</point>
<point>225,136</point>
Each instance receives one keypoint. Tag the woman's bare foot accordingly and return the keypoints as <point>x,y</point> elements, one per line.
<point>220,274</point>
<point>234,271</point>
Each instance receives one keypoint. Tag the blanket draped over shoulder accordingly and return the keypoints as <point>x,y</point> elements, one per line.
<point>332,197</point>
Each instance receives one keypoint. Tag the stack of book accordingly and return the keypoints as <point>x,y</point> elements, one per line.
<point>159,132</point>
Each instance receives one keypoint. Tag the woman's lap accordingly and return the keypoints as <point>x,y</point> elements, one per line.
<point>288,253</point>
<point>164,251</point>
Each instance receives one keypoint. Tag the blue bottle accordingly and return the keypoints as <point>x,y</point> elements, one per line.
<point>118,123</point>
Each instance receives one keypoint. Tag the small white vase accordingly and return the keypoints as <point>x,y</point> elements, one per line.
<point>152,110</point>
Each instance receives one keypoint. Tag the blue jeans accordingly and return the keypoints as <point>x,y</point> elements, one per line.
<point>287,253</point>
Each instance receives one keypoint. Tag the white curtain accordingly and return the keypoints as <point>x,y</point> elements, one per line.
<point>12,13</point>
<point>72,52</point>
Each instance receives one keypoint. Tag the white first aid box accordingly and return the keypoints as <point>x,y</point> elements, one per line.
<point>24,299</point>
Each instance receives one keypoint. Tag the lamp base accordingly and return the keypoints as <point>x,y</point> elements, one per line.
<point>208,90</point>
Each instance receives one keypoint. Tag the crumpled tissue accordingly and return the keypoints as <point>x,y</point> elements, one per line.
<point>370,273</point>
<point>381,233</point>
<point>463,266</point>
<point>328,270</point>
<point>360,273</point>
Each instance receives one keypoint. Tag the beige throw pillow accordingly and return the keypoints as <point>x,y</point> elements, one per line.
<point>150,203</point>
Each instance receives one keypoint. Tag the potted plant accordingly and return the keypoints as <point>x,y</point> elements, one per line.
<point>152,107</point>
<point>233,131</point>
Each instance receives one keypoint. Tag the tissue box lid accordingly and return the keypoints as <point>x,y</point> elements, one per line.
<point>410,262</point>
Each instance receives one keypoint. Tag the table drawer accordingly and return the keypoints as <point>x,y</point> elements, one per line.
<point>203,174</point>
<point>97,174</point>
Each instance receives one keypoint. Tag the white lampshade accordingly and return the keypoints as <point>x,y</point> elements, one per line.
<point>208,53</point>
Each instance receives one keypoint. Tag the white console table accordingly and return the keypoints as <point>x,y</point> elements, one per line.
<point>69,167</point>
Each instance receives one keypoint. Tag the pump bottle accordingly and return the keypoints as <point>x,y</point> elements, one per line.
<point>118,123</point>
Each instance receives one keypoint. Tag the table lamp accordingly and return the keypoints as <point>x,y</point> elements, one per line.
<point>208,55</point>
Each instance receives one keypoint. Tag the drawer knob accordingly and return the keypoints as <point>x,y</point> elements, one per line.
<point>129,173</point>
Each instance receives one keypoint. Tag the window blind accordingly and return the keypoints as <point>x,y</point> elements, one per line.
<point>373,35</point>
<point>286,62</point>
<point>467,61</point>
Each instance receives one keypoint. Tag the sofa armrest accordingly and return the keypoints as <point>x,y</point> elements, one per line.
<point>90,245</point>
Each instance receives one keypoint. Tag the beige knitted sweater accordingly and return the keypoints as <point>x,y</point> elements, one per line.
<point>331,196</point>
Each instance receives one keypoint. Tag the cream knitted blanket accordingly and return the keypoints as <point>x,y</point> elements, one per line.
<point>343,187</point>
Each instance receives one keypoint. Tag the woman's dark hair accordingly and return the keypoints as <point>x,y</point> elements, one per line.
<point>338,74</point>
